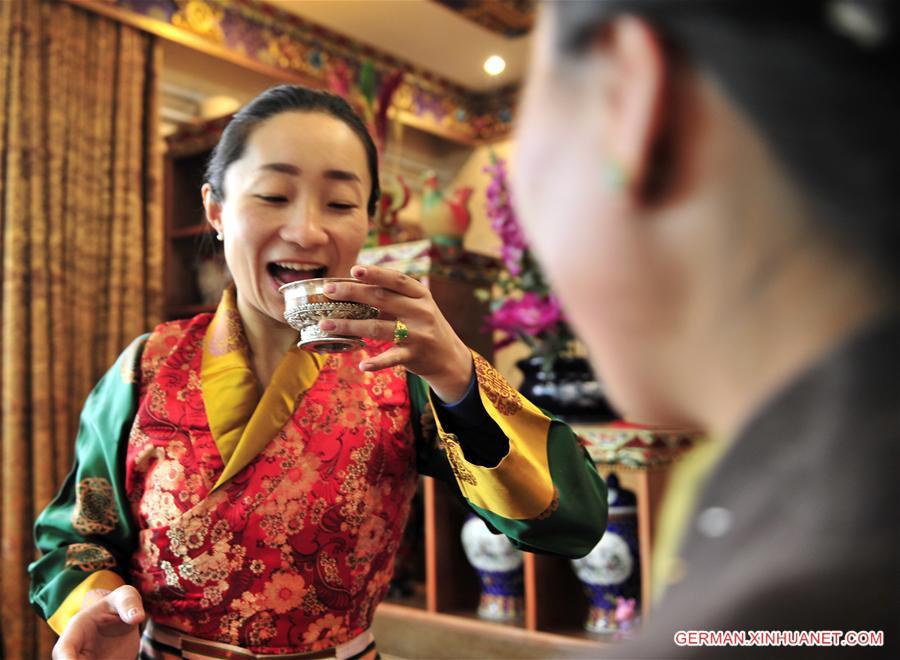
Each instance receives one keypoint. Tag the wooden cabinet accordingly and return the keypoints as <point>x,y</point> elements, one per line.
<point>554,602</point>
<point>555,605</point>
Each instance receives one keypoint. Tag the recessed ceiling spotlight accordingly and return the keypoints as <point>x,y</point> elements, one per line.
<point>494,65</point>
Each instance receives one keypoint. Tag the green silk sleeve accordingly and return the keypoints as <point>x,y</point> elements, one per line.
<point>545,495</point>
<point>576,519</point>
<point>87,528</point>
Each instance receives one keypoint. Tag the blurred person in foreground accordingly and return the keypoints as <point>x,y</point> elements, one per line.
<point>712,189</point>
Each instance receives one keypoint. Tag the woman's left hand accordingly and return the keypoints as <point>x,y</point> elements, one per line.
<point>432,349</point>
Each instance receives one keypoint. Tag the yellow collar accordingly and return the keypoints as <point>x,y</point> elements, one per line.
<point>243,420</point>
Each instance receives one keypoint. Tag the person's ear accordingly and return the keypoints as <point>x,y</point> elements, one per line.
<point>212,207</point>
<point>635,98</point>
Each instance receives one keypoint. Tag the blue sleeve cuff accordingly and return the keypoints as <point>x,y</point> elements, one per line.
<point>468,399</point>
<point>481,440</point>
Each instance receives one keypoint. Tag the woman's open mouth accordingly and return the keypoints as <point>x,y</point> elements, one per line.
<point>284,272</point>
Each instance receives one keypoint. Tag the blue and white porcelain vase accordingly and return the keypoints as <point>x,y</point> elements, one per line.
<point>499,566</point>
<point>611,572</point>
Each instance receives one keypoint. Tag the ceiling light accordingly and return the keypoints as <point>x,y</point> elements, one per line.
<point>494,65</point>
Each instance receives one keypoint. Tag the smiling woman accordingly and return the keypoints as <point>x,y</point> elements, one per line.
<point>265,489</point>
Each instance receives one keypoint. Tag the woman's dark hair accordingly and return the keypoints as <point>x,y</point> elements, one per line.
<point>274,101</point>
<point>819,81</point>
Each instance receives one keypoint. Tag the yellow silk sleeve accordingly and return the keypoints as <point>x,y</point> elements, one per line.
<point>72,604</point>
<point>519,487</point>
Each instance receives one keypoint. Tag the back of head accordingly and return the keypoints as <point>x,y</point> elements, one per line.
<point>819,81</point>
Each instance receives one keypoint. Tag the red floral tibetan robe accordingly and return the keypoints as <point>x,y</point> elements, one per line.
<point>295,551</point>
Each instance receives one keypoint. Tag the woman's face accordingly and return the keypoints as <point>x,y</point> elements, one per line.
<point>294,206</point>
<point>604,255</point>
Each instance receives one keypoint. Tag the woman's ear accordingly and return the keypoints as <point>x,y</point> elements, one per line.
<point>212,207</point>
<point>636,98</point>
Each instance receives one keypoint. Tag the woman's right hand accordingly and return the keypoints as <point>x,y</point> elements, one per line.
<point>104,628</point>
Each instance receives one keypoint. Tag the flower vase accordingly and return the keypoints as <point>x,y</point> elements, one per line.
<point>611,572</point>
<point>499,565</point>
<point>567,389</point>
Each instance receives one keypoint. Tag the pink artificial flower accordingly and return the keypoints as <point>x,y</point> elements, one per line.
<point>501,213</point>
<point>530,315</point>
<point>529,311</point>
<point>625,612</point>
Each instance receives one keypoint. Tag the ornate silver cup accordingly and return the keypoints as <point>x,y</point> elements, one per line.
<point>305,304</point>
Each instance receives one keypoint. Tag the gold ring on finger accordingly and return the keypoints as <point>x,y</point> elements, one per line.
<point>401,331</point>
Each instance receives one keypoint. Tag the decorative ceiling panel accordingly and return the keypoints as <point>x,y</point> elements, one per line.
<point>511,18</point>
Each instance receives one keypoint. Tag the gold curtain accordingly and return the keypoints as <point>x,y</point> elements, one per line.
<point>81,244</point>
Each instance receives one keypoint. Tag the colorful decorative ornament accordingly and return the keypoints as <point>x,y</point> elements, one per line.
<point>271,35</point>
<point>200,18</point>
<point>445,216</point>
<point>394,198</point>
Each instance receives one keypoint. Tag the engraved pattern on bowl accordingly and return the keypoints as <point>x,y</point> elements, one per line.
<point>306,305</point>
<point>306,314</point>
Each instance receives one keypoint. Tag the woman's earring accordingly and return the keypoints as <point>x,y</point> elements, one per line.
<point>219,236</point>
<point>613,176</point>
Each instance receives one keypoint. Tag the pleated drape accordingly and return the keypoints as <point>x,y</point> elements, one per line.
<point>80,251</point>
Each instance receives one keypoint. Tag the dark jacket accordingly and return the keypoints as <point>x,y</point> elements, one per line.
<point>797,529</point>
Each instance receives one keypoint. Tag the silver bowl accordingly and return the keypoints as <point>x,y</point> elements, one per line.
<point>305,304</point>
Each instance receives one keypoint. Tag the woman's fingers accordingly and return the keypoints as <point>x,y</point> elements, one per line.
<point>103,625</point>
<point>398,355</point>
<point>94,596</point>
<point>388,290</point>
<point>70,643</point>
<point>391,280</point>
<point>371,329</point>
<point>387,302</point>
<point>126,602</point>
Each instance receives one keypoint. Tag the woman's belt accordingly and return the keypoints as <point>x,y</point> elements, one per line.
<point>164,643</point>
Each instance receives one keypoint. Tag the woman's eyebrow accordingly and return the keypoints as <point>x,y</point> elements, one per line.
<point>287,168</point>
<point>284,168</point>
<point>342,175</point>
